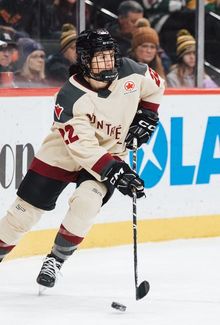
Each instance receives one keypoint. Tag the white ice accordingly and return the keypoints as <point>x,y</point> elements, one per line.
<point>184,276</point>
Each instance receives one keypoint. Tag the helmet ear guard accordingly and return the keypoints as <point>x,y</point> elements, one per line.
<point>88,43</point>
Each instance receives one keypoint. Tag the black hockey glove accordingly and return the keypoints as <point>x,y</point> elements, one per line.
<point>121,176</point>
<point>142,127</point>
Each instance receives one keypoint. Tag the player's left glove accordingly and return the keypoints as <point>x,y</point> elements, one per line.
<point>142,127</point>
<point>121,176</point>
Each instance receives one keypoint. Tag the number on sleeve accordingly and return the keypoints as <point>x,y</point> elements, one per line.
<point>68,132</point>
<point>155,76</point>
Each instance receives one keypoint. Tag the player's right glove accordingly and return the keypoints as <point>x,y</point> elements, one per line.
<point>121,176</point>
<point>142,127</point>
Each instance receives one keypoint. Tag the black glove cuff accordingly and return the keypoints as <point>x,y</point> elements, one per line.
<point>115,171</point>
<point>148,114</point>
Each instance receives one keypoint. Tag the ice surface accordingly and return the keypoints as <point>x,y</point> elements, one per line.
<point>184,276</point>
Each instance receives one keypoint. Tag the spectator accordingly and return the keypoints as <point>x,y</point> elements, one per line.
<point>32,64</point>
<point>7,50</point>
<point>182,74</point>
<point>212,33</point>
<point>167,17</point>
<point>100,18</point>
<point>62,12</point>
<point>212,29</point>
<point>145,47</point>
<point>166,61</point>
<point>210,5</point>
<point>57,66</point>
<point>5,77</point>
<point>22,17</point>
<point>128,13</point>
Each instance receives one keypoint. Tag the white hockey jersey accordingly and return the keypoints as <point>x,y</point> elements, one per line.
<point>90,127</point>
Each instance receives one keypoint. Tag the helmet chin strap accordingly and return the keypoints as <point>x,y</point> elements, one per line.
<point>105,75</point>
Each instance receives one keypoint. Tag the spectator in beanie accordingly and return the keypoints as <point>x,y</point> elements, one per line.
<point>182,74</point>
<point>6,77</point>
<point>167,17</point>
<point>57,66</point>
<point>145,47</point>
<point>7,52</point>
<point>129,12</point>
<point>166,61</point>
<point>32,64</point>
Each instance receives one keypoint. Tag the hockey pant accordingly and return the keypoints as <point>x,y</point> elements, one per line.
<point>84,205</point>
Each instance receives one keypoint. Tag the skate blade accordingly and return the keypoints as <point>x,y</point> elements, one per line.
<point>41,290</point>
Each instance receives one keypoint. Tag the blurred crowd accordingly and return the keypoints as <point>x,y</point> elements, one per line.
<point>38,38</point>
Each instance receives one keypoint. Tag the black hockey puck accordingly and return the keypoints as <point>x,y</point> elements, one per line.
<point>118,306</point>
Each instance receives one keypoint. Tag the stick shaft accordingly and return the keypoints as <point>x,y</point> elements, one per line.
<point>134,213</point>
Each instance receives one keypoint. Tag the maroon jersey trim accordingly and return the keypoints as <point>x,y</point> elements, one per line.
<point>101,163</point>
<point>148,105</point>
<point>53,172</point>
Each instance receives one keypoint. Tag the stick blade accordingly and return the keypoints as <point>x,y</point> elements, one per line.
<point>142,290</point>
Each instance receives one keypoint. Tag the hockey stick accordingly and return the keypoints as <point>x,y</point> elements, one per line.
<point>105,11</point>
<point>142,289</point>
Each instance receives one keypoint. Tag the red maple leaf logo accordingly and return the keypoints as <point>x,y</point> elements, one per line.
<point>58,110</point>
<point>129,85</point>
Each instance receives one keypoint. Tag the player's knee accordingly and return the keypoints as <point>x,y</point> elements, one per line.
<point>91,193</point>
<point>22,216</point>
<point>84,206</point>
<point>88,200</point>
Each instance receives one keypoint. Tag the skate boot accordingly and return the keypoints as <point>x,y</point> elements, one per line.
<point>48,273</point>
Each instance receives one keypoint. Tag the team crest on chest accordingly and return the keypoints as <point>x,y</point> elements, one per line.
<point>129,86</point>
<point>58,110</point>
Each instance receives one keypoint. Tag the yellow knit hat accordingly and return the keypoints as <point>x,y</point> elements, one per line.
<point>68,36</point>
<point>185,43</point>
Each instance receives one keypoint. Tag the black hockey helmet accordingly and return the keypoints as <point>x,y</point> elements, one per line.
<point>88,43</point>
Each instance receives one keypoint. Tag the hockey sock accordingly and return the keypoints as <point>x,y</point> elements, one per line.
<point>65,244</point>
<point>4,249</point>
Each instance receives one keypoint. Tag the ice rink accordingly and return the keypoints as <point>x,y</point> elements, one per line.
<point>184,276</point>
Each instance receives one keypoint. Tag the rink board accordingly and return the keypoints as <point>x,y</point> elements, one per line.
<point>180,167</point>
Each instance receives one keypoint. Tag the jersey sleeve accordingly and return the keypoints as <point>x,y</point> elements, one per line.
<point>152,90</point>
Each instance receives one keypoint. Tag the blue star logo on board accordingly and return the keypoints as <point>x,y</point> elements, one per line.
<point>152,158</point>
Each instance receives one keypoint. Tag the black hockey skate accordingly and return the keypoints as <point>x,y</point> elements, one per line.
<point>48,273</point>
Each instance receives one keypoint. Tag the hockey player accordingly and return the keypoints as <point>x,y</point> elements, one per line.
<point>97,114</point>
